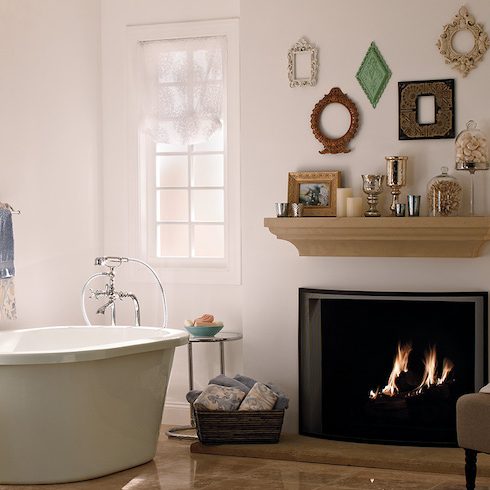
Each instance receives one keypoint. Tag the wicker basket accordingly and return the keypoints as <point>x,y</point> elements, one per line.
<point>239,427</point>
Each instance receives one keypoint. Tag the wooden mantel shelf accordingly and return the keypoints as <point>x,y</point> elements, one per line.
<point>384,237</point>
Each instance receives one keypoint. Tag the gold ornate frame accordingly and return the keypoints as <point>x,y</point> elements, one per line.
<point>464,62</point>
<point>339,145</point>
<point>302,46</point>
<point>299,183</point>
<point>409,127</point>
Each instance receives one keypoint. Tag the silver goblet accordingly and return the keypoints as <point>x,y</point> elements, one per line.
<point>372,185</point>
<point>396,171</point>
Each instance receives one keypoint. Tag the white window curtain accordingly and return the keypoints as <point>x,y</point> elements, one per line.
<point>183,87</point>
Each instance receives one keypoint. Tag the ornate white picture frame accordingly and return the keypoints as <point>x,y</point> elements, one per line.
<point>463,62</point>
<point>302,48</point>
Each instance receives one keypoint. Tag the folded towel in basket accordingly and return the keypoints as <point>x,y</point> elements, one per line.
<point>223,380</point>
<point>215,397</point>
<point>7,269</point>
<point>260,397</point>
<point>243,383</point>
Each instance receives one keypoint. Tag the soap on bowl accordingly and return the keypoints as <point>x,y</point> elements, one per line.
<point>209,331</point>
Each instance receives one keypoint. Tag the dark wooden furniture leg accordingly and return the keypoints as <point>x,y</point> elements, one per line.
<point>470,468</point>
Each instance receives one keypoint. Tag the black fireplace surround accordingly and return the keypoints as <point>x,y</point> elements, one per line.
<point>388,367</point>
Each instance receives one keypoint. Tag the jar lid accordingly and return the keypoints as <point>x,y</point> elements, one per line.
<point>444,175</point>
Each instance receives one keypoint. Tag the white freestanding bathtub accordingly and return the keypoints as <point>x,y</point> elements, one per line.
<point>81,402</point>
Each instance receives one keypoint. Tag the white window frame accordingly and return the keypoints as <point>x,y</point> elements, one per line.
<point>142,149</point>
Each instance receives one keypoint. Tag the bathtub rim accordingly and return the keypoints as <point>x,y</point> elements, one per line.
<point>172,338</point>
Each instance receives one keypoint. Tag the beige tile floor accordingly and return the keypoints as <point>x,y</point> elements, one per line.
<point>174,468</point>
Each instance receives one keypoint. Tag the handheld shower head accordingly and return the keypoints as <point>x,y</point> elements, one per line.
<point>110,261</point>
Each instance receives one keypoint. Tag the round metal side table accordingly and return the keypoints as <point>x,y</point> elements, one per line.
<point>220,338</point>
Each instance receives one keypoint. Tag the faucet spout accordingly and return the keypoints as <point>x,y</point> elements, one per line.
<point>101,310</point>
<point>137,317</point>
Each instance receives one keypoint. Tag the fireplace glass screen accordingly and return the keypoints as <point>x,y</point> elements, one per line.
<point>389,367</point>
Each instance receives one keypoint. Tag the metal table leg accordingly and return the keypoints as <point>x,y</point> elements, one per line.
<point>222,356</point>
<point>191,366</point>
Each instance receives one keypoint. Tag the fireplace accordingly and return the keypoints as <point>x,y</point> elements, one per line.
<point>388,367</point>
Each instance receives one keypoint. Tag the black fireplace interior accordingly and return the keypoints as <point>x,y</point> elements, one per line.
<point>389,367</point>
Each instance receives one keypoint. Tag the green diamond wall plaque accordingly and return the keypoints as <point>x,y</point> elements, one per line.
<point>373,75</point>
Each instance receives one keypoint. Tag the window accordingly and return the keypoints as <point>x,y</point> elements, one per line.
<point>187,117</point>
<point>190,200</point>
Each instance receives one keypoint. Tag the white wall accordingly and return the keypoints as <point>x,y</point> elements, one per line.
<point>49,136</point>
<point>276,138</point>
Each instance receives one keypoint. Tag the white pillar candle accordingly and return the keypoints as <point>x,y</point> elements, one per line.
<point>354,206</point>
<point>342,194</point>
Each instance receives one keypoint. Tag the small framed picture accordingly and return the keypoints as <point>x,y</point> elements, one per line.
<point>317,191</point>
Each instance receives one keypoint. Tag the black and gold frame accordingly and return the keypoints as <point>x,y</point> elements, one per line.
<point>410,127</point>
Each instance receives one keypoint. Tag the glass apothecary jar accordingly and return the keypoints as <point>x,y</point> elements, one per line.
<point>444,194</point>
<point>471,155</point>
<point>471,149</point>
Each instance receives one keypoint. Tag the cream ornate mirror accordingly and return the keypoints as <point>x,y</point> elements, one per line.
<point>341,144</point>
<point>463,22</point>
<point>302,64</point>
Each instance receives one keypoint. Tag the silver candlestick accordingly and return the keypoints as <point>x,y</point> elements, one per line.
<point>396,171</point>
<point>372,185</point>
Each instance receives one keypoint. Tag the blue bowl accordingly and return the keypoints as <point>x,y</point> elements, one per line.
<point>210,331</point>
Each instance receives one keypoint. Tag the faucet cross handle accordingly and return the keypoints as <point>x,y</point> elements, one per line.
<point>123,294</point>
<point>97,293</point>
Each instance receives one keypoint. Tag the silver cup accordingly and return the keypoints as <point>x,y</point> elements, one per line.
<point>413,205</point>
<point>372,185</point>
<point>281,209</point>
<point>296,209</point>
<point>399,209</point>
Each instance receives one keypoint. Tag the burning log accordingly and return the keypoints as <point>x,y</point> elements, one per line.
<point>407,381</point>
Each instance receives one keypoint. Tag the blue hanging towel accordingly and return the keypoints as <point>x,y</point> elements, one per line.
<point>7,269</point>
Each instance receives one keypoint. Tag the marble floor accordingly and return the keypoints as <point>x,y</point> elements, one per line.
<point>175,468</point>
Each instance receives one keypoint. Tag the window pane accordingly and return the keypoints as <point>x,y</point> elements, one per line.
<point>172,171</point>
<point>209,241</point>
<point>215,142</point>
<point>164,148</point>
<point>207,205</point>
<point>172,205</point>
<point>207,171</point>
<point>173,241</point>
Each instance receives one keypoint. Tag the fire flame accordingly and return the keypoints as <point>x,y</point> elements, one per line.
<point>400,365</point>
<point>447,367</point>
<point>430,373</point>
